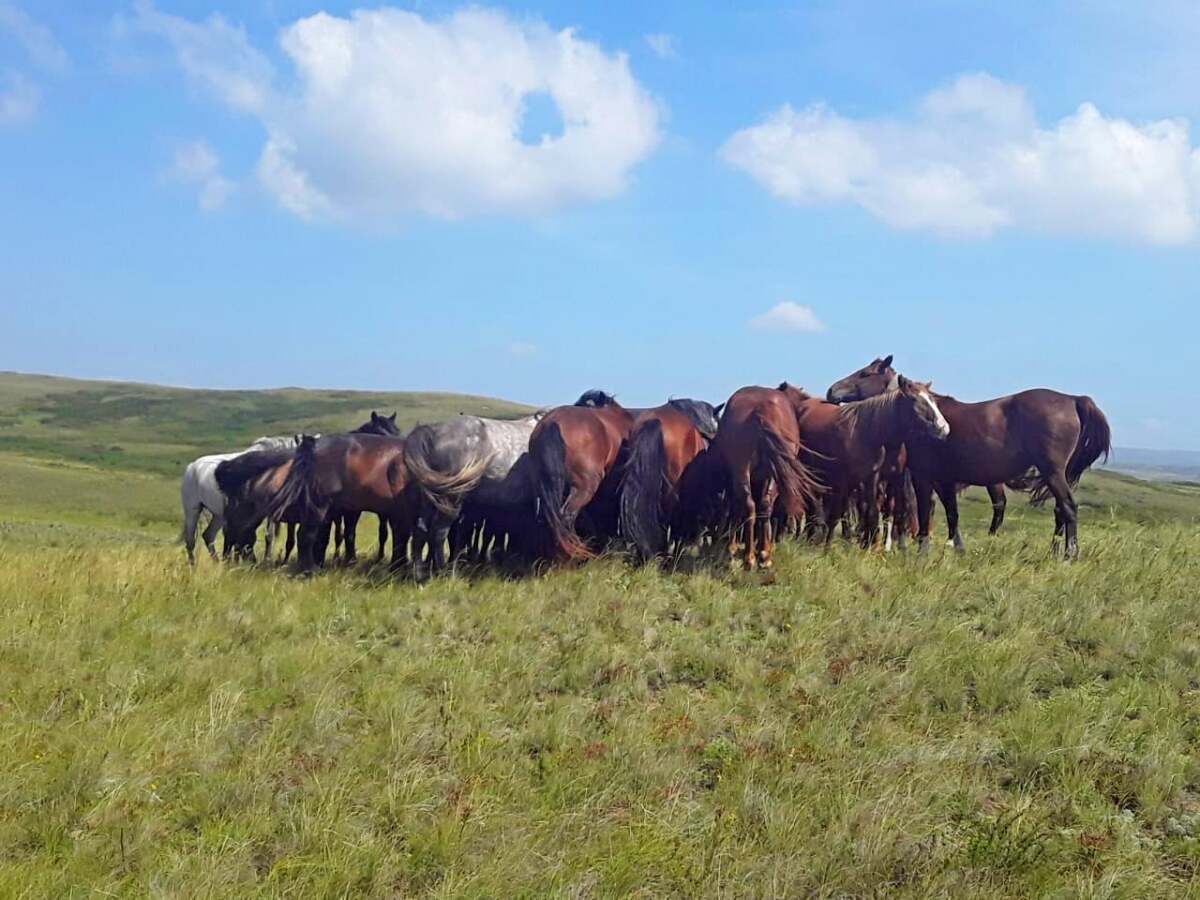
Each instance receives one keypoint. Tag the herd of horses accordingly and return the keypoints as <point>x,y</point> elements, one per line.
<point>566,483</point>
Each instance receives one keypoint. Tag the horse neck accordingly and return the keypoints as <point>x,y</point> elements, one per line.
<point>874,421</point>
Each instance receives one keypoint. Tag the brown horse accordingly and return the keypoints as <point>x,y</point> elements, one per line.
<point>871,380</point>
<point>845,443</point>
<point>329,476</point>
<point>1056,436</point>
<point>664,443</point>
<point>758,448</point>
<point>575,452</point>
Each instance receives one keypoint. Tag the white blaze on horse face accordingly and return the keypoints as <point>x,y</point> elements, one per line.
<point>941,426</point>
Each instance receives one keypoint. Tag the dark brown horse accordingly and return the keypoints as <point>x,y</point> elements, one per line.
<point>325,477</point>
<point>758,449</point>
<point>871,380</point>
<point>844,444</point>
<point>345,525</point>
<point>1056,436</point>
<point>664,443</point>
<point>575,452</point>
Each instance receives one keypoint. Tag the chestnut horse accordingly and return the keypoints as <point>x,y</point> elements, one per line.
<point>871,380</point>
<point>844,444</point>
<point>758,449</point>
<point>1056,437</point>
<point>345,525</point>
<point>575,453</point>
<point>664,442</point>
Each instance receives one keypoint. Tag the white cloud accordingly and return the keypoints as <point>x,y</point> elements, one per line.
<point>788,316</point>
<point>38,41</point>
<point>973,160</point>
<point>197,164</point>
<point>520,348</point>
<point>19,99</point>
<point>393,114</point>
<point>663,46</point>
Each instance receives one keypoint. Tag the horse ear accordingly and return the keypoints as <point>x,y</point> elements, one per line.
<point>717,409</point>
<point>374,416</point>
<point>903,383</point>
<point>783,386</point>
<point>392,417</point>
<point>886,363</point>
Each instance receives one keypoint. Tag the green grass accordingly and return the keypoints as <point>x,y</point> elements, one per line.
<point>996,725</point>
<point>145,428</point>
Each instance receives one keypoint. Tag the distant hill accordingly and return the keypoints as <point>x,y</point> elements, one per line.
<point>1156,465</point>
<point>151,429</point>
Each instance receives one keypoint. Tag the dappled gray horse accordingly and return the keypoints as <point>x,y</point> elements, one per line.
<point>484,461</point>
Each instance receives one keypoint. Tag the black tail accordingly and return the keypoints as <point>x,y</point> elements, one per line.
<point>299,495</point>
<point>1095,441</point>
<point>234,474</point>
<point>643,484</point>
<point>550,460</point>
<point>798,487</point>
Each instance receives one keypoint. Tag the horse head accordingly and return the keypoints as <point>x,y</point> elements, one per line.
<point>871,380</point>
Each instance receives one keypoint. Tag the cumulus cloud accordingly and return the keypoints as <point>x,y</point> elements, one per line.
<point>392,114</point>
<point>39,43</point>
<point>197,164</point>
<point>973,160</point>
<point>663,46</point>
<point>19,99</point>
<point>20,95</point>
<point>788,316</point>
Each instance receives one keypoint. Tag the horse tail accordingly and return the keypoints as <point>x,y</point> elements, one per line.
<point>300,493</point>
<point>444,490</point>
<point>798,487</point>
<point>233,474</point>
<point>550,457</point>
<point>1095,441</point>
<point>642,485</point>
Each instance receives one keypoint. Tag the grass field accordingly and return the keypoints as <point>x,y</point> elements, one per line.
<point>998,724</point>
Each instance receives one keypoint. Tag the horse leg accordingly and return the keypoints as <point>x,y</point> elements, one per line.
<point>322,542</point>
<point>338,534</point>
<point>191,519</point>
<point>924,492</point>
<point>835,511</point>
<point>306,544</point>
<point>383,539</point>
<point>870,512</point>
<point>1066,514</point>
<point>948,494</point>
<point>291,542</point>
<point>401,532</point>
<point>741,512</point>
<point>349,536</point>
<point>999,502</point>
<point>210,537</point>
<point>766,507</point>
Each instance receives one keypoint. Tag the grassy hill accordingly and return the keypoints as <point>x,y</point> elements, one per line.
<point>146,428</point>
<point>998,724</point>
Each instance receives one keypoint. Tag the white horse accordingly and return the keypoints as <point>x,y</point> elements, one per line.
<point>199,492</point>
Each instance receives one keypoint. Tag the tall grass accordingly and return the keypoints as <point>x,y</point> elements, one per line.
<point>996,725</point>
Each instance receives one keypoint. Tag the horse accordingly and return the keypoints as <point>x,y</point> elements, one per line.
<point>871,380</point>
<point>345,525</point>
<point>199,491</point>
<point>844,444</point>
<point>758,448</point>
<point>325,476</point>
<point>575,452</point>
<point>663,443</point>
<point>1039,437</point>
<point>469,459</point>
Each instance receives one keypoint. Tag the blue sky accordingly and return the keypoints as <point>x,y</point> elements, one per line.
<point>674,198</point>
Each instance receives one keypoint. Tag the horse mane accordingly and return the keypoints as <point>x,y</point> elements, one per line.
<point>865,415</point>
<point>596,399</point>
<point>698,412</point>
<point>233,474</point>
